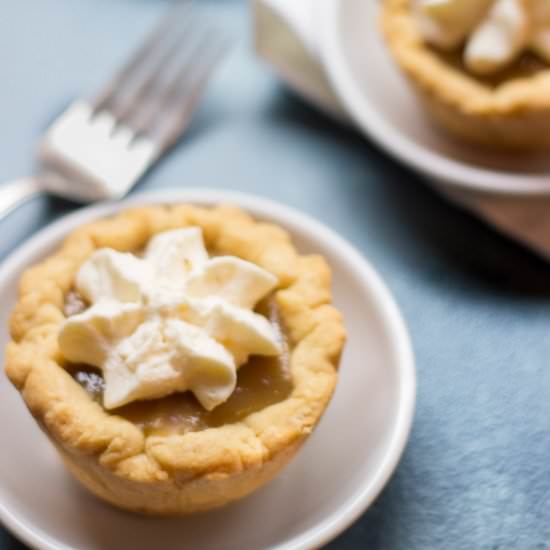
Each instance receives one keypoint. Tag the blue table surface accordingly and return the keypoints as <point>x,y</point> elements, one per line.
<point>476,472</point>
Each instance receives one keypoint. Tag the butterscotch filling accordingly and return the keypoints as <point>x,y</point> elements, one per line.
<point>261,382</point>
<point>526,66</point>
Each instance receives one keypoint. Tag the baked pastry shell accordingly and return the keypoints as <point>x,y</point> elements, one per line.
<point>514,115</point>
<point>196,471</point>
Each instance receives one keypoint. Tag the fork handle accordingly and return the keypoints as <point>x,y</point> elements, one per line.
<point>15,193</point>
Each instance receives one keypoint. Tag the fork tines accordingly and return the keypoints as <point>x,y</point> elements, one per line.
<point>156,92</point>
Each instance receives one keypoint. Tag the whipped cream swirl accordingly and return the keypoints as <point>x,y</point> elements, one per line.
<point>495,32</point>
<point>171,321</point>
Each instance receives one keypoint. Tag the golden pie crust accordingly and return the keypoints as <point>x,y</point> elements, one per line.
<point>512,115</point>
<point>176,474</point>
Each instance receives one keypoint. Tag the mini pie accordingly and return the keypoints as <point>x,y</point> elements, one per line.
<point>138,457</point>
<point>509,110</point>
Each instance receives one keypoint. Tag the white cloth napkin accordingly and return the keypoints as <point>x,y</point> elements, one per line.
<point>285,36</point>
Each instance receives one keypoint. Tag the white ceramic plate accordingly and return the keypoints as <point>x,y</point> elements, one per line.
<point>334,478</point>
<point>382,104</point>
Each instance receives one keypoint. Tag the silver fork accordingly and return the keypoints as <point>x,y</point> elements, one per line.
<point>98,149</point>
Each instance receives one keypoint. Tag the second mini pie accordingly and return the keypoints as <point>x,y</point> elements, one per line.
<point>177,357</point>
<point>481,67</point>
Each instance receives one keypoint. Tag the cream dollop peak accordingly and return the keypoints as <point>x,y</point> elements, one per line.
<point>494,32</point>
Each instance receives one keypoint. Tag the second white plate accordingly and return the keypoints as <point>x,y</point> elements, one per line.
<point>383,105</point>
